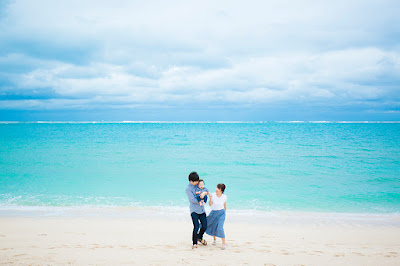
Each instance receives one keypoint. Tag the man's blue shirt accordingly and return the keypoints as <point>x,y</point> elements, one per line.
<point>194,200</point>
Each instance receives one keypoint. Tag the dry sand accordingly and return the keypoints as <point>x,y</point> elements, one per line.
<point>167,241</point>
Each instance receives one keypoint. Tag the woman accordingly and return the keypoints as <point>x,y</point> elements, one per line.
<point>216,218</point>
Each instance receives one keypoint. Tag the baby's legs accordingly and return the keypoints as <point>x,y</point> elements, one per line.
<point>202,195</point>
<point>205,199</point>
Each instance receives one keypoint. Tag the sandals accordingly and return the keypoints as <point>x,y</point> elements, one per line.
<point>223,247</point>
<point>214,242</point>
<point>202,241</point>
<point>194,246</point>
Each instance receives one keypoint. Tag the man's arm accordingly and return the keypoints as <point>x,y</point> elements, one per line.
<point>191,196</point>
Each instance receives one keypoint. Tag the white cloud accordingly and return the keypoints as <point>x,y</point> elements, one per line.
<point>338,75</point>
<point>155,52</point>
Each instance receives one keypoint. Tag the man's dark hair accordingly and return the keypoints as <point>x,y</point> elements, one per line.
<point>201,180</point>
<point>221,187</point>
<point>193,176</point>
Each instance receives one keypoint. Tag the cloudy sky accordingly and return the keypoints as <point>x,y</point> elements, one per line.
<point>199,60</point>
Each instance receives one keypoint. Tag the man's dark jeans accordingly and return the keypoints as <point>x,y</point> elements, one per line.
<point>203,220</point>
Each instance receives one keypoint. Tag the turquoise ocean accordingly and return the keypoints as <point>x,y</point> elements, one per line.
<point>339,167</point>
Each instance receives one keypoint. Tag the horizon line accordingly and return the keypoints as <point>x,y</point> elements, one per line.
<point>194,122</point>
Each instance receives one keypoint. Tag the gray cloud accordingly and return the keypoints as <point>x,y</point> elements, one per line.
<point>75,54</point>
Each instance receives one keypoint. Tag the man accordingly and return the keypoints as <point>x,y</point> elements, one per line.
<point>197,212</point>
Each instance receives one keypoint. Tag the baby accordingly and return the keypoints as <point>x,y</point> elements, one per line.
<point>202,192</point>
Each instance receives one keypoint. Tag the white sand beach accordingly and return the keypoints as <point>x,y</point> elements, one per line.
<point>166,240</point>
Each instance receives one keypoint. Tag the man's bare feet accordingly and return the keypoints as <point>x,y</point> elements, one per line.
<point>202,241</point>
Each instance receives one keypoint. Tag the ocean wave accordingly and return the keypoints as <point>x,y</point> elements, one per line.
<point>233,215</point>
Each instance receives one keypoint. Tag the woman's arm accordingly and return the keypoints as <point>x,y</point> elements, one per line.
<point>224,205</point>
<point>210,201</point>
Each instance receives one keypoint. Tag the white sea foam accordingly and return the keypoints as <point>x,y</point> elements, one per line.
<point>321,122</point>
<point>290,122</point>
<point>182,213</point>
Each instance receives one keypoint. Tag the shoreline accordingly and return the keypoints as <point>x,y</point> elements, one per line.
<point>182,213</point>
